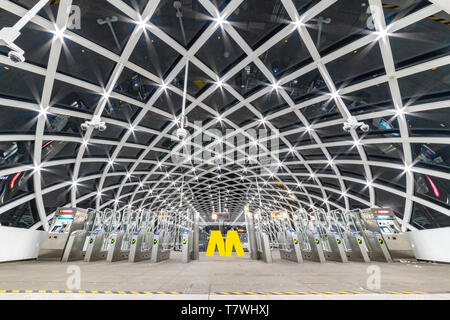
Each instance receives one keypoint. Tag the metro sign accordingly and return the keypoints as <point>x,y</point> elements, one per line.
<point>225,247</point>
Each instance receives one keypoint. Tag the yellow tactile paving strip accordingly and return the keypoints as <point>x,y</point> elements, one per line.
<point>434,18</point>
<point>212,293</point>
<point>315,293</point>
<point>89,291</point>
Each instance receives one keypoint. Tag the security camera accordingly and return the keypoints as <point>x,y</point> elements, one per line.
<point>16,57</point>
<point>181,133</point>
<point>7,38</point>
<point>353,124</point>
<point>347,127</point>
<point>84,126</point>
<point>102,126</point>
<point>94,123</point>
<point>365,127</point>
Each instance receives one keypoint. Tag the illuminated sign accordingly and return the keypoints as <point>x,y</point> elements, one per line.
<point>224,247</point>
<point>66,210</point>
<point>382,211</point>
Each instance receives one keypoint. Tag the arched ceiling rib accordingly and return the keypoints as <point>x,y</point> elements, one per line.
<point>159,186</point>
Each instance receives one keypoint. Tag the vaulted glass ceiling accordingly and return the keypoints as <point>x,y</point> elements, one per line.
<point>298,68</point>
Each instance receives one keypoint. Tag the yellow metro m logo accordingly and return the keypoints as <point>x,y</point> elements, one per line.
<point>225,247</point>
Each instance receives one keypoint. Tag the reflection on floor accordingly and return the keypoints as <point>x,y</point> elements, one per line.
<point>220,277</point>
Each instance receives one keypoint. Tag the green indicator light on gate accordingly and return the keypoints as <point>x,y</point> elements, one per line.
<point>134,241</point>
<point>112,241</point>
<point>381,241</point>
<point>359,241</point>
<point>155,241</point>
<point>92,240</point>
<point>339,241</point>
<point>295,241</point>
<point>317,241</point>
<point>184,241</point>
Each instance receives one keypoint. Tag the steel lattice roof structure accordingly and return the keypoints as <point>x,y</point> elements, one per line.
<point>253,65</point>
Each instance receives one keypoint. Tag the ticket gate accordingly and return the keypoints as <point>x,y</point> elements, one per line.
<point>358,250</point>
<point>365,244</point>
<point>78,240</point>
<point>377,249</point>
<point>293,253</point>
<point>337,252</point>
<point>120,240</point>
<point>187,249</point>
<point>309,238</point>
<point>385,222</point>
<point>332,244</point>
<point>66,221</point>
<point>264,252</point>
<point>142,239</point>
<point>158,252</point>
<point>314,251</point>
<point>97,248</point>
<point>258,237</point>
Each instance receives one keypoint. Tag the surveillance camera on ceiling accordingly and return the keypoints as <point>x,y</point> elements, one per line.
<point>9,34</point>
<point>95,123</point>
<point>365,127</point>
<point>7,37</point>
<point>181,133</point>
<point>353,124</point>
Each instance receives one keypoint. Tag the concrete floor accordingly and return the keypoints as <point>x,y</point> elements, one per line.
<point>227,274</point>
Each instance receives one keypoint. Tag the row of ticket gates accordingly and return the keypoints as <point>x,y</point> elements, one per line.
<point>133,235</point>
<point>359,235</point>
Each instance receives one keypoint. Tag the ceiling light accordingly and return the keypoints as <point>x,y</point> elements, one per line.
<point>298,23</point>
<point>111,162</point>
<point>356,143</point>
<point>163,85</point>
<point>335,94</point>
<point>74,183</point>
<point>43,112</point>
<point>368,183</point>
<point>37,168</point>
<point>220,21</point>
<point>219,83</point>
<point>407,168</point>
<point>275,86</point>
<point>142,23</point>
<point>399,112</point>
<point>85,143</point>
<point>59,34</point>
<point>131,128</point>
<point>106,95</point>
<point>219,118</point>
<point>382,34</point>
<point>99,194</point>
